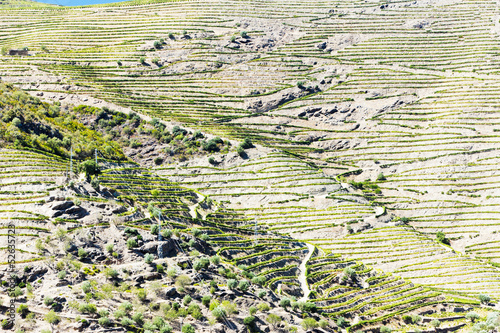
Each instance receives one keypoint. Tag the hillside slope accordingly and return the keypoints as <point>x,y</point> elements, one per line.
<point>373,123</point>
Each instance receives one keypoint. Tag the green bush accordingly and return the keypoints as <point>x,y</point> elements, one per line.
<point>441,237</point>
<point>148,258</point>
<point>187,328</point>
<point>23,310</point>
<point>342,322</point>
<point>138,317</point>
<point>89,168</point>
<point>215,260</point>
<point>110,248</point>
<point>472,316</point>
<point>47,300</point>
<point>219,312</point>
<point>205,300</point>
<point>261,293</point>
<point>166,233</point>
<point>186,300</point>
<point>131,243</point>
<point>484,298</point>
<point>160,269</point>
<point>232,283</point>
<point>82,253</point>
<point>309,323</point>
<point>385,329</point>
<point>249,321</point>
<point>285,302</point>
<point>436,323</point>
<point>273,319</point>
<point>104,321</point>
<point>243,285</point>
<point>52,318</point>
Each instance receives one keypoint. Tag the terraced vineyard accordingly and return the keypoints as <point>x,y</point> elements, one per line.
<point>367,182</point>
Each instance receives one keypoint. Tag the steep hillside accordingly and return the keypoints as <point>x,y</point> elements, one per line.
<point>346,151</point>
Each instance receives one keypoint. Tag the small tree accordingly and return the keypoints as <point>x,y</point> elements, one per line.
<point>89,168</point>
<point>484,298</point>
<point>472,316</point>
<point>435,323</point>
<point>441,237</point>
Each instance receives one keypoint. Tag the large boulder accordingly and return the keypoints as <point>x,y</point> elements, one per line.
<point>167,247</point>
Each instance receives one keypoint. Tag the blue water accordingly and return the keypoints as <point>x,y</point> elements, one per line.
<point>78,2</point>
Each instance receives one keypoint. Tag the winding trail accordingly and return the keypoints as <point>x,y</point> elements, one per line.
<point>302,277</point>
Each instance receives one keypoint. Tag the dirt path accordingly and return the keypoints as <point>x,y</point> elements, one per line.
<point>302,277</point>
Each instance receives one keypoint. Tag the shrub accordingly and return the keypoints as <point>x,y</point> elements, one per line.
<point>87,308</point>
<point>157,44</point>
<point>407,319</point>
<point>215,260</point>
<point>86,287</point>
<point>111,273</point>
<point>23,310</point>
<point>52,318</point>
<point>273,319</point>
<point>61,275</point>
<point>232,283</point>
<point>263,307</point>
<point>243,285</point>
<point>82,253</point>
<point>104,321</point>
<point>127,306</point>
<point>385,329</point>
<point>436,323</point>
<point>381,177</point>
<point>205,300</point>
<point>166,233</point>
<point>110,248</point>
<point>148,258</point>
<point>166,329</point>
<point>183,281</point>
<point>240,151</point>
<point>484,298</point>
<point>309,323</point>
<point>160,269</point>
<point>247,143</point>
<point>285,302</point>
<point>7,324</point>
<point>141,294</point>
<point>323,324</point>
<point>212,161</point>
<point>131,243</point>
<point>187,328</point>
<point>252,310</point>
<point>138,317</point>
<point>248,321</point>
<point>47,300</point>
<point>473,316</point>
<point>127,321</point>
<point>244,34</point>
<point>142,60</point>
<point>186,300</point>
<point>342,322</point>
<point>219,312</point>
<point>261,293</point>
<point>441,237</point>
<point>260,280</point>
